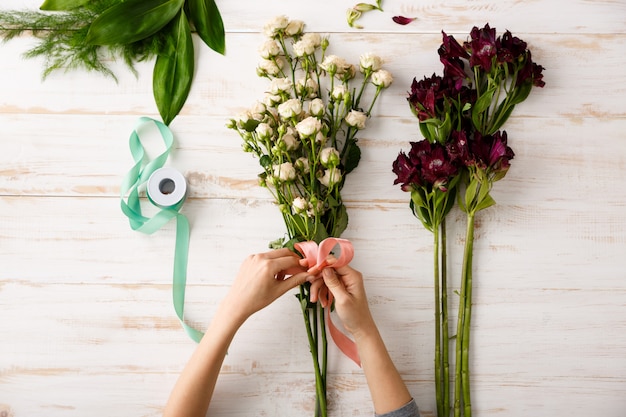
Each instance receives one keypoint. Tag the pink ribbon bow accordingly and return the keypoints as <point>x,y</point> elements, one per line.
<point>316,257</point>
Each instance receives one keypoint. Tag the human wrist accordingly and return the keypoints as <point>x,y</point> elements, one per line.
<point>365,330</point>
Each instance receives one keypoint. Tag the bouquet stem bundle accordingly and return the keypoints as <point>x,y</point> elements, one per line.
<point>304,134</point>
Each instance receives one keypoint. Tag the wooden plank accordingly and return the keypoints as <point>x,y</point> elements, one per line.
<point>92,157</point>
<point>577,16</point>
<point>583,78</point>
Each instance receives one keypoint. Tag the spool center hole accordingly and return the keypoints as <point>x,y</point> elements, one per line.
<point>167,186</point>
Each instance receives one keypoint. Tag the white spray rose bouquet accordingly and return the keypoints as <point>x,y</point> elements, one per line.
<point>304,134</point>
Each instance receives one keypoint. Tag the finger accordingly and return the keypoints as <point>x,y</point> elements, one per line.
<point>278,253</point>
<point>323,295</point>
<point>315,289</point>
<point>285,263</point>
<point>294,281</point>
<point>333,282</point>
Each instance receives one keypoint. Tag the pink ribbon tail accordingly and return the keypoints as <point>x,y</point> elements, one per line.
<point>316,259</point>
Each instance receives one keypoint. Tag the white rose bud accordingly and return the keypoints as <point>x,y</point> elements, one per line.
<point>370,62</point>
<point>331,177</point>
<point>320,138</point>
<point>317,107</point>
<point>349,73</point>
<point>264,131</point>
<point>356,119</point>
<point>334,65</point>
<point>290,108</point>
<point>303,47</point>
<point>338,93</point>
<point>290,141</point>
<point>382,78</point>
<point>294,28</point>
<point>269,49</point>
<point>313,38</point>
<point>307,88</point>
<point>242,118</point>
<point>329,157</point>
<point>275,26</point>
<point>280,85</point>
<point>309,127</point>
<point>284,172</point>
<point>271,100</point>
<point>258,111</point>
<point>299,205</point>
<point>269,67</point>
<point>302,165</point>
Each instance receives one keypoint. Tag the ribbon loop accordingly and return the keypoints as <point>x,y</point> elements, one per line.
<point>136,178</point>
<point>316,257</point>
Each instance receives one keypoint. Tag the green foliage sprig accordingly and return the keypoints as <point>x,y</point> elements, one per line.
<point>74,33</point>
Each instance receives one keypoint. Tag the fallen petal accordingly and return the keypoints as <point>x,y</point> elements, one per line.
<point>401,20</point>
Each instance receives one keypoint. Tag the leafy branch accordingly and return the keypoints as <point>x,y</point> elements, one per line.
<point>77,34</point>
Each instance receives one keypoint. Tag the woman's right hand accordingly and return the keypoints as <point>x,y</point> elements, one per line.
<point>346,285</point>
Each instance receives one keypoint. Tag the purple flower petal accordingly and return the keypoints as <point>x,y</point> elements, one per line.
<point>401,20</point>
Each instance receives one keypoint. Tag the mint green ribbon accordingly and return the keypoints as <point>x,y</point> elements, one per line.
<point>134,180</point>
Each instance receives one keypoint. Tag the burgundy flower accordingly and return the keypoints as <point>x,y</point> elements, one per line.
<point>437,166</point>
<point>418,150</point>
<point>450,48</point>
<point>509,47</point>
<point>482,46</point>
<point>530,71</point>
<point>422,97</point>
<point>491,152</point>
<point>407,172</point>
<point>458,148</point>
<point>427,96</point>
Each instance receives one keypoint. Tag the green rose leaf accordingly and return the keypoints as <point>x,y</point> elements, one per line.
<point>353,157</point>
<point>208,23</point>
<point>131,21</point>
<point>341,221</point>
<point>173,69</point>
<point>62,5</point>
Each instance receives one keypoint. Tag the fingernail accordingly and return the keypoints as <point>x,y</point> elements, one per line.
<point>310,278</point>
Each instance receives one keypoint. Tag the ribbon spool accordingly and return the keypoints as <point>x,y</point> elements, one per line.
<point>166,189</point>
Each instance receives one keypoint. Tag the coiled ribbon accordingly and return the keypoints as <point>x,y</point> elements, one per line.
<point>316,257</point>
<point>135,179</point>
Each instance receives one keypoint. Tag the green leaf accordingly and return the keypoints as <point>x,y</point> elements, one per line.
<point>131,21</point>
<point>208,22</point>
<point>352,158</point>
<point>62,5</point>
<point>481,106</point>
<point>173,69</point>
<point>341,221</point>
<point>521,92</point>
<point>251,125</point>
<point>265,161</point>
<point>470,193</point>
<point>486,202</point>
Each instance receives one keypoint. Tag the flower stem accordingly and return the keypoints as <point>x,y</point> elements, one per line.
<point>467,279</point>
<point>444,322</point>
<point>462,393</point>
<point>438,373</point>
<point>320,391</point>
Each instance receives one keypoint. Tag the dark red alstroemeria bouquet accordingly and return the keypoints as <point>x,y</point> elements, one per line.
<point>461,156</point>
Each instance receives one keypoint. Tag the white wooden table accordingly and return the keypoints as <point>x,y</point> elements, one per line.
<point>87,326</point>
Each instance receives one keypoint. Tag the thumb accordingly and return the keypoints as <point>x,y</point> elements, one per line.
<point>333,283</point>
<point>295,280</point>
